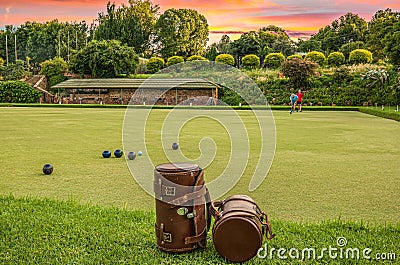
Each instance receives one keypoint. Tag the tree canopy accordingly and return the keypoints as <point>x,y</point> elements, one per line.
<point>131,25</point>
<point>104,59</point>
<point>181,32</point>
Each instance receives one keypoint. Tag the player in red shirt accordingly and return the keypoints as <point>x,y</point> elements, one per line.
<point>299,100</point>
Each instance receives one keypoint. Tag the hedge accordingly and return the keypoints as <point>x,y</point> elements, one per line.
<point>196,58</point>
<point>154,64</point>
<point>359,56</point>
<point>336,59</point>
<point>175,60</point>
<point>383,114</point>
<point>18,92</point>
<point>316,57</point>
<point>274,59</point>
<point>251,61</point>
<point>226,59</point>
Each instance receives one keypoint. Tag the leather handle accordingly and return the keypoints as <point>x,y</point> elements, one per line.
<point>214,209</point>
<point>267,226</point>
<point>208,205</point>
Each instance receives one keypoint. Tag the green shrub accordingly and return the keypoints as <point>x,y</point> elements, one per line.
<point>175,60</point>
<point>348,47</point>
<point>18,92</point>
<point>13,71</point>
<point>359,56</point>
<point>155,64</point>
<point>196,58</point>
<point>336,59</point>
<point>316,57</point>
<point>226,59</point>
<point>1,61</point>
<point>274,60</point>
<point>251,61</point>
<point>54,70</point>
<point>298,56</point>
<point>299,71</point>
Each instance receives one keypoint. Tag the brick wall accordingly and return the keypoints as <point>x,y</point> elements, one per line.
<point>149,96</point>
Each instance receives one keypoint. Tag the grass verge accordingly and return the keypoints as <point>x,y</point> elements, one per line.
<point>44,231</point>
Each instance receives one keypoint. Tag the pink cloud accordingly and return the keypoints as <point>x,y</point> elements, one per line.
<point>242,15</point>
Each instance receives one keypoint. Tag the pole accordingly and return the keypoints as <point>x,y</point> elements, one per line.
<point>68,46</point>
<point>6,49</point>
<point>59,44</point>
<point>15,46</point>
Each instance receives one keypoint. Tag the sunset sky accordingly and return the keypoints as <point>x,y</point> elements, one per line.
<point>296,16</point>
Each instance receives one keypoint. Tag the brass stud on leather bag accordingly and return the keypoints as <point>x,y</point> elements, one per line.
<point>239,227</point>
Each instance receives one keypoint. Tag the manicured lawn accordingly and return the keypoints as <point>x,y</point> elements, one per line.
<point>44,231</point>
<point>328,165</point>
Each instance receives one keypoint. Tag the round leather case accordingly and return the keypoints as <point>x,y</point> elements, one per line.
<point>239,228</point>
<point>237,238</point>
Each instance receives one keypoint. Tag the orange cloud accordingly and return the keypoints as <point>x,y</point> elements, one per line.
<point>232,15</point>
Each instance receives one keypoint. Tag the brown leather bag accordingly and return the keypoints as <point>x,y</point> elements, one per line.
<point>182,217</point>
<point>239,227</point>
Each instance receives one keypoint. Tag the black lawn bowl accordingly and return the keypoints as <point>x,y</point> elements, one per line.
<point>118,153</point>
<point>106,154</point>
<point>131,155</point>
<point>48,169</point>
<point>175,146</point>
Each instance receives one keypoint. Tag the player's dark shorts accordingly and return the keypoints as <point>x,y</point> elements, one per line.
<point>298,102</point>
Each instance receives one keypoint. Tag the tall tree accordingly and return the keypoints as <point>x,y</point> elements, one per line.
<point>248,43</point>
<point>347,28</point>
<point>182,32</point>
<point>392,44</point>
<point>132,25</point>
<point>380,26</point>
<point>221,47</point>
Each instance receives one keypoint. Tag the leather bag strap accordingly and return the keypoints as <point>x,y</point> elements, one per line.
<point>190,196</point>
<point>196,238</point>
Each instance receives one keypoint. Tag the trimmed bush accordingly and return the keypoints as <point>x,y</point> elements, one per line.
<point>251,61</point>
<point>175,60</point>
<point>1,61</point>
<point>154,64</point>
<point>226,59</point>
<point>387,115</point>
<point>298,56</point>
<point>336,59</point>
<point>316,57</point>
<point>18,92</point>
<point>359,56</point>
<point>348,47</point>
<point>274,60</point>
<point>196,58</point>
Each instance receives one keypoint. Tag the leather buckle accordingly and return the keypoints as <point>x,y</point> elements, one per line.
<point>167,237</point>
<point>170,191</point>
